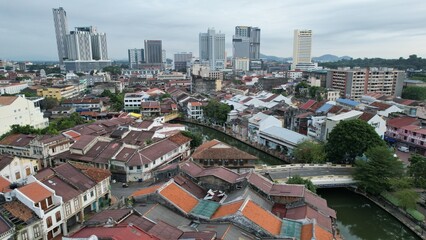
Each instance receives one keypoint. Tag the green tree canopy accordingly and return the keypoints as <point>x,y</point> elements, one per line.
<point>407,198</point>
<point>414,93</point>
<point>117,99</point>
<point>217,111</point>
<point>417,170</point>
<point>375,174</point>
<point>296,179</point>
<point>350,139</point>
<point>197,139</point>
<point>309,152</point>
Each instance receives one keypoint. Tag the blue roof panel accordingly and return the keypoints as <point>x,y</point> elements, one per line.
<point>348,102</point>
<point>324,108</point>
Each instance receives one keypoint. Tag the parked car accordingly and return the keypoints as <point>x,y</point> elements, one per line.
<point>403,149</point>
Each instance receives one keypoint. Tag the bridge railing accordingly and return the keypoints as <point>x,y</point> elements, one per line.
<point>286,166</point>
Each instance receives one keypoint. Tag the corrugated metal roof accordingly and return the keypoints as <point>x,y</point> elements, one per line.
<point>205,208</point>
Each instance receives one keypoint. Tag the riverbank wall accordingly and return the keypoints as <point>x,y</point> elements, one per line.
<point>228,132</point>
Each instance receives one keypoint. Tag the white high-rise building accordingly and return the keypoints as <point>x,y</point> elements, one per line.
<point>246,42</point>
<point>136,57</point>
<point>212,48</point>
<point>302,48</point>
<point>99,46</point>
<point>79,46</point>
<point>163,56</point>
<point>61,30</point>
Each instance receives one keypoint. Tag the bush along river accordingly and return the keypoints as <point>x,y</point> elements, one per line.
<point>357,217</point>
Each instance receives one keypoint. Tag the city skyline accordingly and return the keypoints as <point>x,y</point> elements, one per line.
<point>355,28</point>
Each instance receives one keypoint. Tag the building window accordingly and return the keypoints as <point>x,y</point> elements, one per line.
<point>68,209</point>
<point>36,231</point>
<point>49,201</point>
<point>49,222</point>
<point>58,216</point>
<point>92,193</point>
<point>146,165</point>
<point>28,171</point>
<point>76,203</point>
<point>85,198</point>
<point>139,167</point>
<point>130,168</point>
<point>24,235</point>
<point>17,175</point>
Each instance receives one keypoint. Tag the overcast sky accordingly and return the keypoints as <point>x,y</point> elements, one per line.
<point>357,28</point>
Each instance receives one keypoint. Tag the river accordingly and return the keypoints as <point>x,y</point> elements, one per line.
<point>357,217</point>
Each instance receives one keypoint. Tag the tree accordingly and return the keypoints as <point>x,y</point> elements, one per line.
<point>374,174</point>
<point>300,86</point>
<point>113,70</point>
<point>216,111</point>
<point>296,179</point>
<point>407,198</point>
<point>309,152</point>
<point>414,93</point>
<point>49,103</point>
<point>197,139</point>
<point>350,139</point>
<point>417,170</point>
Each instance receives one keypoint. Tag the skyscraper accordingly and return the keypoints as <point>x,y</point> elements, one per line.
<point>153,51</point>
<point>136,57</point>
<point>246,42</point>
<point>212,48</point>
<point>182,60</point>
<point>302,47</point>
<point>85,44</point>
<point>61,30</point>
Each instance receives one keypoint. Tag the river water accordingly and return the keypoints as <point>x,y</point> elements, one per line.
<point>357,217</point>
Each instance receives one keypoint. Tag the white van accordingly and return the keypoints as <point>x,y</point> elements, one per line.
<point>403,149</point>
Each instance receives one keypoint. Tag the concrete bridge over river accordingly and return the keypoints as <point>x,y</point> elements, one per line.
<point>321,175</point>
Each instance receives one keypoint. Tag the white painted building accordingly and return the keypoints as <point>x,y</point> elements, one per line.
<point>241,64</point>
<point>13,88</point>
<point>332,121</point>
<point>195,110</point>
<point>18,169</point>
<point>132,101</point>
<point>276,137</point>
<point>22,111</point>
<point>259,122</point>
<point>333,95</point>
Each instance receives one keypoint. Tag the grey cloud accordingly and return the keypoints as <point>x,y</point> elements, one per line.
<point>360,28</point>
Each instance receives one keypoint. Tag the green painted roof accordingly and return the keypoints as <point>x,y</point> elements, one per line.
<point>205,208</point>
<point>291,229</point>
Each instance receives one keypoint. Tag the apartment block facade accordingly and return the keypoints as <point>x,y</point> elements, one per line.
<point>353,83</point>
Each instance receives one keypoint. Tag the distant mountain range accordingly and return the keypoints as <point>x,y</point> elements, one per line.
<point>323,58</point>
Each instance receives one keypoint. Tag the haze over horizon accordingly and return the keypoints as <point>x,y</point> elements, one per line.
<point>356,28</point>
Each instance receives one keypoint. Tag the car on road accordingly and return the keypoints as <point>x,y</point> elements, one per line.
<point>403,149</point>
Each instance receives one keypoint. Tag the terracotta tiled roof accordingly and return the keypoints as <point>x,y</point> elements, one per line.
<point>380,106</point>
<point>5,160</point>
<point>228,209</point>
<point>307,105</point>
<point>121,232</point>
<point>83,141</point>
<point>19,210</point>
<point>190,186</point>
<point>96,174</point>
<point>74,176</point>
<point>145,191</point>
<point>4,185</point>
<point>306,211</point>
<point>190,168</point>
<point>116,214</point>
<point>7,100</point>
<point>307,232</point>
<point>262,218</point>
<point>322,234</point>
<point>366,116</point>
<point>18,140</point>
<point>72,134</point>
<point>319,203</point>
<point>221,173</point>
<point>399,122</point>
<point>62,188</point>
<point>179,197</point>
<point>163,230</point>
<point>196,104</point>
<point>179,139</point>
<point>415,128</point>
<point>217,150</point>
<point>35,191</point>
<point>335,109</point>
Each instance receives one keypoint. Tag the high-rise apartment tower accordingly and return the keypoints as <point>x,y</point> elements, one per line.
<point>302,48</point>
<point>61,30</point>
<point>212,48</point>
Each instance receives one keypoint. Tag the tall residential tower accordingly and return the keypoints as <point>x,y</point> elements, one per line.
<point>212,48</point>
<point>153,51</point>
<point>61,30</point>
<point>246,42</point>
<point>302,48</point>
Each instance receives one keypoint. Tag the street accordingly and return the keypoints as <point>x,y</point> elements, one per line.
<point>118,191</point>
<point>309,172</point>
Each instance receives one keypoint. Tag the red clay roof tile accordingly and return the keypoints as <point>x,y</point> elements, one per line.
<point>35,191</point>
<point>262,218</point>
<point>179,197</point>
